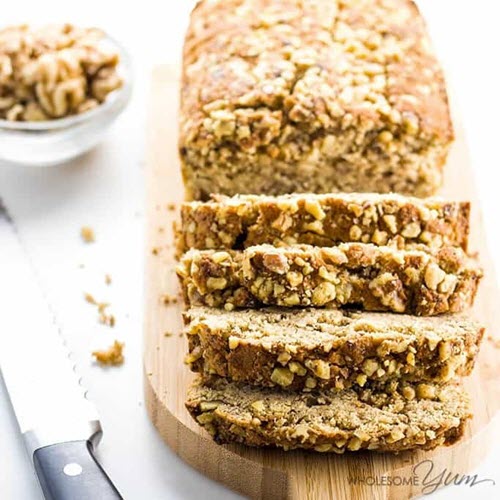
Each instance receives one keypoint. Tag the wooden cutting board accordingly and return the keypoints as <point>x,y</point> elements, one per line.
<point>274,474</point>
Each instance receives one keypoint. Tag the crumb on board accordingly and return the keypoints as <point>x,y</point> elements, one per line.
<point>107,279</point>
<point>168,299</point>
<point>87,234</point>
<point>495,341</point>
<point>112,356</point>
<point>161,229</point>
<point>155,251</point>
<point>105,318</point>
<point>168,334</point>
<point>171,206</point>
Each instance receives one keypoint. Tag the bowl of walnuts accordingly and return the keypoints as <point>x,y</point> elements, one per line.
<point>61,87</point>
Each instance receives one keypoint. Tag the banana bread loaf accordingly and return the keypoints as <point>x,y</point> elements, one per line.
<point>304,349</point>
<point>404,418</point>
<point>322,220</point>
<point>292,96</point>
<point>351,274</point>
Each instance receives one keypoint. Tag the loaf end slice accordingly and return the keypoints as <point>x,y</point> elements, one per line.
<point>406,419</point>
<point>324,348</point>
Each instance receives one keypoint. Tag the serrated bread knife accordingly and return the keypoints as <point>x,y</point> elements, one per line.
<point>60,426</point>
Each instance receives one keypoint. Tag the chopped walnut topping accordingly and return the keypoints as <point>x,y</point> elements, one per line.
<point>275,262</point>
<point>426,391</point>
<point>412,230</point>
<point>434,275</point>
<point>282,376</point>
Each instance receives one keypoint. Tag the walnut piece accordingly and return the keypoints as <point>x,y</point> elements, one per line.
<point>282,376</point>
<point>54,71</point>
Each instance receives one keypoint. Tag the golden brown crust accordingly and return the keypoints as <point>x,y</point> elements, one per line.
<point>404,417</point>
<point>322,220</point>
<point>351,274</point>
<point>318,348</point>
<point>321,96</point>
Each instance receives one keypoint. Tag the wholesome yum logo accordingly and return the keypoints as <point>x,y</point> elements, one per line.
<point>425,476</point>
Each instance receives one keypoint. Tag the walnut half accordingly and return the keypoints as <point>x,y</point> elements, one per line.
<point>54,71</point>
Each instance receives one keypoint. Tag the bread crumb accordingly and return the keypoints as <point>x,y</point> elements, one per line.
<point>155,251</point>
<point>104,317</point>
<point>494,341</point>
<point>107,279</point>
<point>87,234</point>
<point>171,206</point>
<point>168,299</point>
<point>112,356</point>
<point>90,299</point>
<point>167,334</point>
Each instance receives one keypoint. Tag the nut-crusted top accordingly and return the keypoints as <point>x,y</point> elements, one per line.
<point>374,278</point>
<point>322,219</point>
<point>291,79</point>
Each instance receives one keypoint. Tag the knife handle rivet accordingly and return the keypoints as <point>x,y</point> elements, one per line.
<point>72,469</point>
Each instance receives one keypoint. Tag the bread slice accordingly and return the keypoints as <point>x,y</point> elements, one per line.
<point>303,349</point>
<point>351,274</point>
<point>322,220</point>
<point>404,418</point>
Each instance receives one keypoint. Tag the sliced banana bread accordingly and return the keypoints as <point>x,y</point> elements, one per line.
<point>351,274</point>
<point>322,220</point>
<point>328,348</point>
<point>398,418</point>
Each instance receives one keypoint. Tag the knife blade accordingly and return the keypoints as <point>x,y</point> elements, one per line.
<point>60,426</point>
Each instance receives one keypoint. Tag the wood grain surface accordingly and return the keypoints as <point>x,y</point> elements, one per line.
<point>274,474</point>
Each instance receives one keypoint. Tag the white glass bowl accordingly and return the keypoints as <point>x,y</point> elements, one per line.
<point>52,142</point>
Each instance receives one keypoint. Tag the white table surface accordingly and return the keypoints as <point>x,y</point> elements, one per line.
<point>104,189</point>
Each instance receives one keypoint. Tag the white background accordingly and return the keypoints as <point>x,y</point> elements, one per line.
<point>104,189</point>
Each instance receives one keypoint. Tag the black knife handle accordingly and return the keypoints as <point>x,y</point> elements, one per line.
<point>69,471</point>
